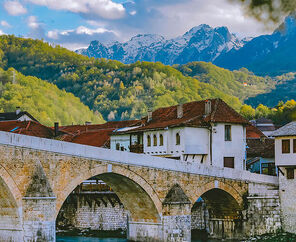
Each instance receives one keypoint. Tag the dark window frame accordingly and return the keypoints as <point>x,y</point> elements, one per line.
<point>286,146</point>
<point>178,139</point>
<point>148,140</point>
<point>227,132</point>
<point>160,140</point>
<point>154,140</point>
<point>227,161</point>
<point>294,145</point>
<point>290,173</point>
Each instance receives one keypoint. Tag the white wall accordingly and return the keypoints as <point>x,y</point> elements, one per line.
<point>235,148</point>
<point>24,118</point>
<point>284,159</point>
<point>157,150</point>
<point>123,140</point>
<point>287,197</point>
<point>193,141</point>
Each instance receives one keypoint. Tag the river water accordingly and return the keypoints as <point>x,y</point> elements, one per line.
<point>93,239</point>
<point>87,239</point>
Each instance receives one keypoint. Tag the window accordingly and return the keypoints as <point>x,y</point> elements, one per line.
<point>290,173</point>
<point>294,145</point>
<point>154,140</point>
<point>117,146</point>
<point>178,139</point>
<point>285,146</point>
<point>227,132</point>
<point>161,140</point>
<point>268,169</point>
<point>229,162</point>
<point>148,140</point>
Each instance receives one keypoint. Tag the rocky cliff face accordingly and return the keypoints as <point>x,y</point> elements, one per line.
<point>201,43</point>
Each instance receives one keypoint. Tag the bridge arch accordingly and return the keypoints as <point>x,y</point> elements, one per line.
<point>217,185</point>
<point>217,211</point>
<point>10,208</point>
<point>134,192</point>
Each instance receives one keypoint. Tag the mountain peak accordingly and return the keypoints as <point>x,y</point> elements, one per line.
<point>201,42</point>
<point>288,26</point>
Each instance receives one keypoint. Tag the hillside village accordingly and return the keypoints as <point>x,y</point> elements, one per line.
<point>205,133</point>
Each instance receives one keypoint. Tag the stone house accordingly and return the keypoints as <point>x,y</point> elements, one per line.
<point>285,160</point>
<point>204,132</point>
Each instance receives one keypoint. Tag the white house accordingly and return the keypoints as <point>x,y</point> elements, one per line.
<point>206,132</point>
<point>17,115</point>
<point>285,160</point>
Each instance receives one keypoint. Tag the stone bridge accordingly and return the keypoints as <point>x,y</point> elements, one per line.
<point>37,175</point>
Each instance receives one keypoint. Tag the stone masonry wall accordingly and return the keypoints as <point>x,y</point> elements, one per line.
<point>199,217</point>
<point>81,215</point>
<point>263,214</point>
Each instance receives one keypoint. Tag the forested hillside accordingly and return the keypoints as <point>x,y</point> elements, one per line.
<point>43,100</point>
<point>284,90</point>
<point>242,83</point>
<point>116,90</point>
<point>120,91</point>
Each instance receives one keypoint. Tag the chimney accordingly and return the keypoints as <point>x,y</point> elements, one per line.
<point>208,107</point>
<point>18,110</point>
<point>180,111</point>
<point>149,117</point>
<point>56,129</point>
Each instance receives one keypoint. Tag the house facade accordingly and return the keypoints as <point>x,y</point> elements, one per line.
<point>285,160</point>
<point>204,132</point>
<point>18,115</point>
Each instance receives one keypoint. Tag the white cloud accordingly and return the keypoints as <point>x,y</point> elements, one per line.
<point>80,37</point>
<point>214,13</point>
<point>1,32</point>
<point>33,22</point>
<point>36,28</point>
<point>96,8</point>
<point>5,24</point>
<point>14,8</point>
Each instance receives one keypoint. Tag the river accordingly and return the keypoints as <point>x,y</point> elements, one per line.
<point>93,239</point>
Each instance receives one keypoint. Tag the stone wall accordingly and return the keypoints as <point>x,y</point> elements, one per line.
<point>263,213</point>
<point>86,214</point>
<point>199,217</point>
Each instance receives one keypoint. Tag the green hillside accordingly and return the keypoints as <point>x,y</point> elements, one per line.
<point>116,90</point>
<point>284,90</point>
<point>45,101</point>
<point>242,83</point>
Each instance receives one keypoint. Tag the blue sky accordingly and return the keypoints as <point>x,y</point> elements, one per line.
<point>74,23</point>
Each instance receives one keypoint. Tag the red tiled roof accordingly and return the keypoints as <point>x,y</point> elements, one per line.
<point>193,115</point>
<point>112,124</point>
<point>31,128</point>
<point>98,138</point>
<point>94,134</point>
<point>253,132</point>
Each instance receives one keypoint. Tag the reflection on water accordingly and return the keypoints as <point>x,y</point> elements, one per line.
<point>93,239</point>
<point>87,239</point>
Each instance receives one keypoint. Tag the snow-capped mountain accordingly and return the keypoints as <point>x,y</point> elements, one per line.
<point>201,43</point>
<point>266,54</point>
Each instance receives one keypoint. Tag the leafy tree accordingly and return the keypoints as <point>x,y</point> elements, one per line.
<point>247,111</point>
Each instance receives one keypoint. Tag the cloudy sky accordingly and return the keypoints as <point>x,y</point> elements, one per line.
<point>74,23</point>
